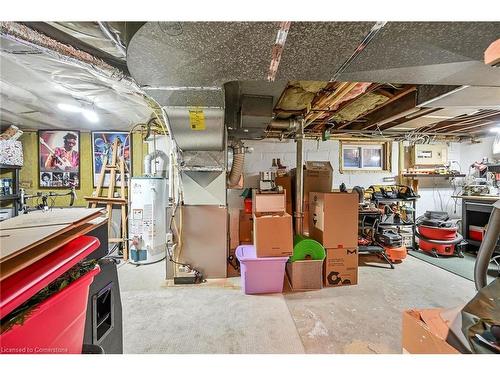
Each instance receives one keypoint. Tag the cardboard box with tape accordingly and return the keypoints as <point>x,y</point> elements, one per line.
<point>305,274</point>
<point>286,183</point>
<point>340,267</point>
<point>272,233</point>
<point>245,228</point>
<point>268,202</point>
<point>318,176</point>
<point>425,332</point>
<point>334,219</point>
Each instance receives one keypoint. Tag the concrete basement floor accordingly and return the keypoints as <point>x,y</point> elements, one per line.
<point>216,317</point>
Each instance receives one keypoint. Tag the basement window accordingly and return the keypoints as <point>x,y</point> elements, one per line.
<point>358,156</point>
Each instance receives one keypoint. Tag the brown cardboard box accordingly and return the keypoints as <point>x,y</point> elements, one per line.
<point>340,267</point>
<point>273,234</point>
<point>234,228</point>
<point>318,176</point>
<point>271,202</point>
<point>286,183</point>
<point>246,228</point>
<point>305,274</point>
<point>333,219</point>
<point>424,332</point>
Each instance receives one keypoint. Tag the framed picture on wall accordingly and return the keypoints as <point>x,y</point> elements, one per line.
<point>101,148</point>
<point>59,158</point>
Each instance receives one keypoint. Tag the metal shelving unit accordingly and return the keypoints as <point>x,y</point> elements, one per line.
<point>12,198</point>
<point>402,225</point>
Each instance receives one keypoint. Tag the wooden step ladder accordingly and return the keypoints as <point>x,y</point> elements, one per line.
<point>117,164</point>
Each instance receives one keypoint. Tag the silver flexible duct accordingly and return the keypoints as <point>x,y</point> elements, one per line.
<point>150,158</point>
<point>237,168</point>
<point>487,248</point>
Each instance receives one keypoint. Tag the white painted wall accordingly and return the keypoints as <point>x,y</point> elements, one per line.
<point>264,151</point>
<point>436,193</point>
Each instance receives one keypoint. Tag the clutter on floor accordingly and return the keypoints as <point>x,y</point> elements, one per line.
<point>312,189</point>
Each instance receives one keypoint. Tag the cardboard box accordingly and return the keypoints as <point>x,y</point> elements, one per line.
<point>286,183</point>
<point>424,332</point>
<point>340,267</point>
<point>305,274</point>
<point>333,219</point>
<point>271,202</point>
<point>272,234</point>
<point>318,177</point>
<point>245,228</point>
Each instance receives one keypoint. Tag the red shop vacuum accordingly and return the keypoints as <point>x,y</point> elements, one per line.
<point>438,235</point>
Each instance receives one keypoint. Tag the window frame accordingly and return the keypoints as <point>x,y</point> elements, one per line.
<point>384,146</point>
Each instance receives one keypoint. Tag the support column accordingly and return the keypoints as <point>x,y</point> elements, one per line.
<point>299,178</point>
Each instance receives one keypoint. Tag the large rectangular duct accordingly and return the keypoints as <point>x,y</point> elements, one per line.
<point>208,136</point>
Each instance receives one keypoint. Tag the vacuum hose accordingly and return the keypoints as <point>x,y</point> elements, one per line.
<point>487,248</point>
<point>237,168</point>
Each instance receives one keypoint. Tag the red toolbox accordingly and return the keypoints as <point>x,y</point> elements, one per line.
<point>476,233</point>
<point>57,324</point>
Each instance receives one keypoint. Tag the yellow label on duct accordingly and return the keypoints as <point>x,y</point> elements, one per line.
<point>196,119</point>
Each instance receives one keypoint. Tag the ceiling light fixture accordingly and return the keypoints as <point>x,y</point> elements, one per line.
<point>90,115</point>
<point>69,108</point>
<point>495,129</point>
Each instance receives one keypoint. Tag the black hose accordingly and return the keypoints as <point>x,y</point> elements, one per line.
<point>487,248</point>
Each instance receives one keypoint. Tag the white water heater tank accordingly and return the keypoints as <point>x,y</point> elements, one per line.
<point>147,219</point>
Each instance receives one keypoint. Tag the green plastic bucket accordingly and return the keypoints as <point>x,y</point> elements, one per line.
<point>307,248</point>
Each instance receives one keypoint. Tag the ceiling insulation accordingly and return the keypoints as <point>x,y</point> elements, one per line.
<point>298,95</point>
<point>39,74</point>
<point>92,34</point>
<point>362,105</point>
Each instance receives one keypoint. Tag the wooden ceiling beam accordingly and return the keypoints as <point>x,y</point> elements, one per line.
<point>403,119</point>
<point>372,88</point>
<point>481,124</point>
<point>395,98</point>
<point>449,123</point>
<point>399,106</point>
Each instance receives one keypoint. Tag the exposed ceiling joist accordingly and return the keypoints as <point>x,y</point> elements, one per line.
<point>395,98</point>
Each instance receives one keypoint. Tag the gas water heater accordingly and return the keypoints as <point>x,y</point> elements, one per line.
<point>148,202</point>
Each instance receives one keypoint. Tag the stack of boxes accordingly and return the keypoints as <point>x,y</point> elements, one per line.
<point>318,177</point>
<point>285,182</point>
<point>333,222</point>
<point>272,226</point>
<point>245,228</point>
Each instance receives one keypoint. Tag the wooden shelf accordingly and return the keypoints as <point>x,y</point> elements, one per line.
<point>106,200</point>
<point>7,166</point>
<point>413,175</point>
<point>11,197</point>
<point>488,198</point>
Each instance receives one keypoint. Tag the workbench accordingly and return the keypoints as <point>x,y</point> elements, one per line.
<point>476,210</point>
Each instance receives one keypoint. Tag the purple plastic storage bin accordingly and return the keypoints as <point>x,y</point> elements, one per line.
<point>260,275</point>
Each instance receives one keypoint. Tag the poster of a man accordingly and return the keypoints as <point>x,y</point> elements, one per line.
<point>59,152</point>
<point>102,149</point>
